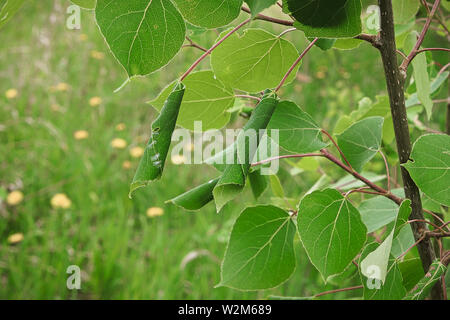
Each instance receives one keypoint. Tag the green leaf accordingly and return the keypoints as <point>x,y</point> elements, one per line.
<point>152,163</point>
<point>277,188</point>
<point>347,44</point>
<point>327,18</point>
<point>256,6</point>
<point>143,35</point>
<point>8,9</point>
<point>430,166</point>
<point>196,198</point>
<point>233,180</point>
<point>377,212</point>
<point>211,13</point>
<point>85,4</point>
<point>297,131</point>
<point>392,289</point>
<point>361,141</point>
<point>405,10</point>
<point>256,54</point>
<point>324,43</point>
<point>420,74</point>
<point>206,99</point>
<point>435,85</point>
<point>260,253</point>
<point>331,231</point>
<point>350,182</point>
<point>258,183</point>
<point>379,258</point>
<point>423,288</point>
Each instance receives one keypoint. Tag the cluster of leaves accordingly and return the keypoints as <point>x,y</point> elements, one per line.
<point>144,35</point>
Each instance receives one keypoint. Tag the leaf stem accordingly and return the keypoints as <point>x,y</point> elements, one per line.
<point>419,42</point>
<point>296,62</point>
<point>337,147</point>
<point>208,52</point>
<point>338,290</point>
<point>269,19</point>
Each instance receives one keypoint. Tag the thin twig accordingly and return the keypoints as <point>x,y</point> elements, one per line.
<point>287,157</point>
<point>337,147</point>
<point>419,42</point>
<point>246,96</point>
<point>208,52</point>
<point>270,19</point>
<point>338,290</point>
<point>295,64</point>
<point>195,45</point>
<point>387,170</point>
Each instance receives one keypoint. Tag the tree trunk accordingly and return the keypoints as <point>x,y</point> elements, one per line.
<point>395,84</point>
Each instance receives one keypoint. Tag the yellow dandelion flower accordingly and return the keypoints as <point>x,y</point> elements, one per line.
<point>83,37</point>
<point>320,75</point>
<point>97,55</point>
<point>178,159</point>
<point>15,238</point>
<point>55,107</point>
<point>60,200</point>
<point>118,143</point>
<point>136,152</point>
<point>81,134</point>
<point>95,101</point>
<point>121,127</point>
<point>14,198</point>
<point>155,212</point>
<point>11,93</point>
<point>62,86</point>
<point>126,165</point>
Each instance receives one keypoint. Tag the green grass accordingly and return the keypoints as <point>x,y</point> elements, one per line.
<point>123,254</point>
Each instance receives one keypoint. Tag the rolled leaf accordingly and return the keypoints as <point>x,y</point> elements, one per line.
<point>152,163</point>
<point>233,180</point>
<point>423,288</point>
<point>196,198</point>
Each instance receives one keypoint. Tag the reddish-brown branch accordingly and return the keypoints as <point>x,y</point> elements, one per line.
<point>270,19</point>
<point>419,42</point>
<point>296,62</point>
<point>338,290</point>
<point>208,52</point>
<point>337,147</point>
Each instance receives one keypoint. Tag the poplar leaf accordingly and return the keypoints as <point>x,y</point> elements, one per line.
<point>298,132</point>
<point>206,99</point>
<point>361,141</point>
<point>392,289</point>
<point>405,10</point>
<point>260,253</point>
<point>258,183</point>
<point>143,35</point>
<point>327,18</point>
<point>196,198</point>
<point>423,288</point>
<point>85,4</point>
<point>8,9</point>
<point>331,231</point>
<point>256,54</point>
<point>152,163</point>
<point>256,6</point>
<point>209,13</point>
<point>377,212</point>
<point>421,77</point>
<point>379,258</point>
<point>429,166</point>
<point>233,179</point>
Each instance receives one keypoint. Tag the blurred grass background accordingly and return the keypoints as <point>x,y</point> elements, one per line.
<point>122,251</point>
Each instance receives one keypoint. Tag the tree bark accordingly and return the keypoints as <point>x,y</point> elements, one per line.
<point>395,85</point>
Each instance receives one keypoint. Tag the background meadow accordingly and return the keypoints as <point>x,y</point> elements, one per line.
<point>69,147</point>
